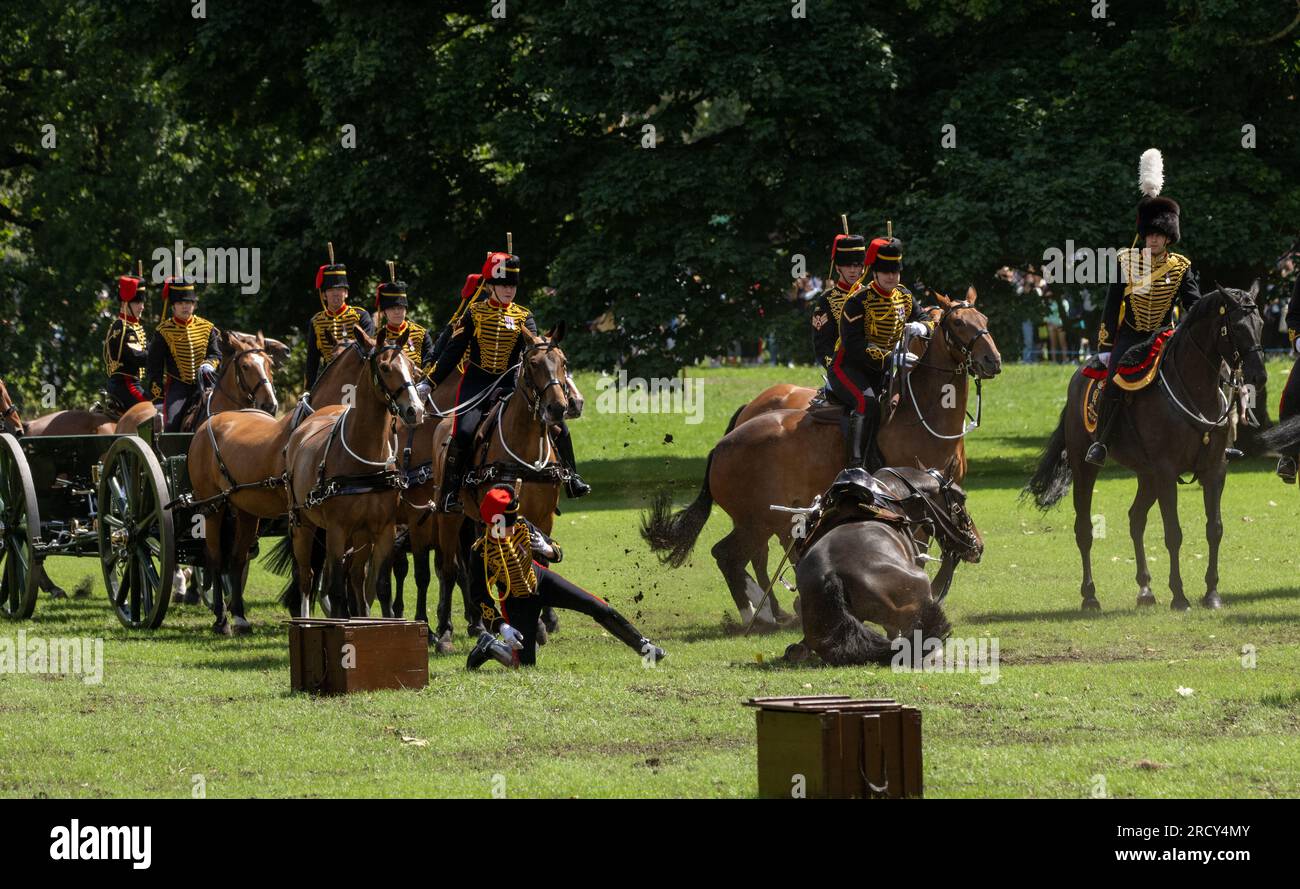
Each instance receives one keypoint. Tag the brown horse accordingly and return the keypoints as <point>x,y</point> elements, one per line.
<point>10,420</point>
<point>787,457</point>
<point>244,381</point>
<point>513,444</point>
<point>341,478</point>
<point>863,569</point>
<point>1178,423</point>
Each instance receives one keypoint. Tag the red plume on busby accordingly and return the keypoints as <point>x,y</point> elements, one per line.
<point>500,268</point>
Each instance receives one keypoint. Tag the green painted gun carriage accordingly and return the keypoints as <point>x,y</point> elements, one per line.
<point>113,497</point>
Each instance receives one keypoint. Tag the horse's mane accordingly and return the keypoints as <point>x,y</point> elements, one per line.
<point>1203,306</point>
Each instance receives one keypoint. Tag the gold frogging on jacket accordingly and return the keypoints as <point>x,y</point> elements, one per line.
<point>333,330</point>
<point>188,344</point>
<point>509,563</point>
<point>1149,292</point>
<point>496,328</point>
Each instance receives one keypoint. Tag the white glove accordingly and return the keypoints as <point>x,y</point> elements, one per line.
<point>915,328</point>
<point>512,637</point>
<point>1296,345</point>
<point>207,372</point>
<point>910,359</point>
<point>1104,358</point>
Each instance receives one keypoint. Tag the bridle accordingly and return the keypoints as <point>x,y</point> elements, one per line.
<point>391,395</point>
<point>965,366</point>
<point>10,415</point>
<point>250,395</point>
<point>945,522</point>
<point>533,393</point>
<point>1237,361</point>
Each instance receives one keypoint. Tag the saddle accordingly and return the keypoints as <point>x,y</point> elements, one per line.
<point>1138,366</point>
<point>855,495</point>
<point>824,409</point>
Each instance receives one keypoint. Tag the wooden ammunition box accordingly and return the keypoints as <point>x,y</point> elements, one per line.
<point>332,657</point>
<point>842,748</point>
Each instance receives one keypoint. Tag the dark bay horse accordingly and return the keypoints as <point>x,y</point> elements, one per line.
<point>869,570</point>
<point>340,471</point>
<point>1178,423</point>
<point>788,457</point>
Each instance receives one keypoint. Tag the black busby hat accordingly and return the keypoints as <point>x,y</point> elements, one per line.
<point>332,274</point>
<point>501,268</point>
<point>390,294</point>
<point>1156,213</point>
<point>885,255</point>
<point>178,289</point>
<point>849,250</point>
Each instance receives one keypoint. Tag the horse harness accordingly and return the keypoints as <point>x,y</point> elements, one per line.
<point>965,367</point>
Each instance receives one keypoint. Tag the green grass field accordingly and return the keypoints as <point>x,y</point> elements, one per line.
<point>1078,696</point>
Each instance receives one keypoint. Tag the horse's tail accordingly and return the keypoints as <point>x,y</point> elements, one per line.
<point>845,640</point>
<point>731,424</point>
<point>673,535</point>
<point>1284,436</point>
<point>279,561</point>
<point>1052,478</point>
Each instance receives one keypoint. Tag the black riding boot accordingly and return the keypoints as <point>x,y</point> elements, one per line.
<point>853,441</point>
<point>452,476</point>
<point>1286,469</point>
<point>870,427</point>
<point>575,487</point>
<point>488,648</point>
<point>1108,412</point>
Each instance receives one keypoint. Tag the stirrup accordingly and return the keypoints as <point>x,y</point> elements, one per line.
<point>1096,454</point>
<point>575,487</point>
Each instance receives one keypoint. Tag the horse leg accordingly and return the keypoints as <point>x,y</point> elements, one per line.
<point>304,539</point>
<point>733,554</point>
<point>1085,480</point>
<point>1137,526</point>
<point>1212,488</point>
<point>1173,538</point>
<point>381,567</point>
<point>401,567</point>
<point>244,537</point>
<point>47,585</point>
<point>213,536</point>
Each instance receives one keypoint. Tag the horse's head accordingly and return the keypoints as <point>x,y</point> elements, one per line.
<point>248,362</point>
<point>966,334</point>
<point>9,419</point>
<point>1238,337</point>
<point>544,376</point>
<point>392,374</point>
<point>955,529</point>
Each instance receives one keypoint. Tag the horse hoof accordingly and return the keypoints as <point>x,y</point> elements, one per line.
<point>242,627</point>
<point>1180,604</point>
<point>445,644</point>
<point>58,593</point>
<point>542,636</point>
<point>553,624</point>
<point>797,653</point>
<point>1146,599</point>
<point>1212,600</point>
<point>1090,605</point>
<point>222,628</point>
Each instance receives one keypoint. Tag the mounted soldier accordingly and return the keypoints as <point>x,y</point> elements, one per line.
<point>183,357</point>
<point>1290,404</point>
<point>511,588</point>
<point>1141,303</point>
<point>486,343</point>
<point>391,311</point>
<point>873,320</point>
<point>332,325</point>
<point>848,259</point>
<point>126,346</point>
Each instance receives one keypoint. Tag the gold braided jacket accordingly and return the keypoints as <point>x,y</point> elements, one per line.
<point>496,331</point>
<point>414,344</point>
<point>333,330</point>
<point>883,319</point>
<point>188,344</point>
<point>1149,292</point>
<point>510,562</point>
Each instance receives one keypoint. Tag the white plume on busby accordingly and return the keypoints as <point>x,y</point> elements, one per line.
<point>1151,172</point>
<point>1154,212</point>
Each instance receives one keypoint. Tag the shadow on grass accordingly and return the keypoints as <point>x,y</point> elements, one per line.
<point>1067,615</point>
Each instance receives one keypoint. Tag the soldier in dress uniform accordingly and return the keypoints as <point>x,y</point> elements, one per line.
<point>1152,280</point>
<point>391,309</point>
<point>511,588</point>
<point>332,325</point>
<point>875,316</point>
<point>486,342</point>
<point>126,346</point>
<point>1290,406</point>
<point>848,259</point>
<point>184,355</point>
